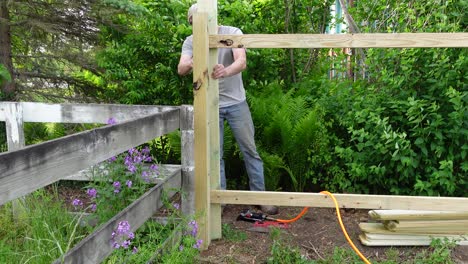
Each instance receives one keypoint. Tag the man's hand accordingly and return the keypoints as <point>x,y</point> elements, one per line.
<point>219,71</point>
<point>185,65</point>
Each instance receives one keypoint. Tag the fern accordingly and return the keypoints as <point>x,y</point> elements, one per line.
<point>291,131</point>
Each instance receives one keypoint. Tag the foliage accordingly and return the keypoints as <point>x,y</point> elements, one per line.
<point>293,131</point>
<point>141,63</point>
<point>4,75</point>
<point>399,126</point>
<point>151,239</point>
<point>120,181</point>
<point>281,252</point>
<point>230,234</point>
<point>40,235</point>
<point>439,253</point>
<point>277,17</point>
<point>52,46</point>
<point>405,127</point>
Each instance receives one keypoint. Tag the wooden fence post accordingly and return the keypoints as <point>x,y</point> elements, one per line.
<point>187,160</point>
<point>14,126</point>
<point>15,141</point>
<point>206,122</point>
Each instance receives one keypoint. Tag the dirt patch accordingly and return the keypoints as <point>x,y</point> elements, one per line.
<point>316,234</point>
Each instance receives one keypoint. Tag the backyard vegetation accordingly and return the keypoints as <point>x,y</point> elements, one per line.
<point>371,121</point>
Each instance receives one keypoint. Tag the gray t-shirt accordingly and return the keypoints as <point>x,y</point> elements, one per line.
<point>231,89</point>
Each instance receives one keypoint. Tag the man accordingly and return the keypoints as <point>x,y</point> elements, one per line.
<point>232,105</point>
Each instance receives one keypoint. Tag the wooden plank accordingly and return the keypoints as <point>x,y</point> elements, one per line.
<point>398,236</point>
<point>96,247</point>
<point>379,228</point>
<point>416,215</point>
<point>187,160</point>
<point>358,201</point>
<point>210,6</point>
<point>455,225</point>
<point>33,167</point>
<point>374,40</point>
<point>156,178</point>
<point>201,124</point>
<point>13,117</point>
<point>416,242</point>
<point>15,140</point>
<point>82,113</point>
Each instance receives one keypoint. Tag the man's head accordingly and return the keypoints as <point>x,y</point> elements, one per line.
<point>190,13</point>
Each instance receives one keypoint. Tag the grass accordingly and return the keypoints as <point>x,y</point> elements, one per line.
<point>232,235</point>
<point>45,230</point>
<point>40,233</point>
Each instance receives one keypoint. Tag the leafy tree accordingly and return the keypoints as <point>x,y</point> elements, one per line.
<point>406,125</point>
<point>141,63</point>
<point>48,46</point>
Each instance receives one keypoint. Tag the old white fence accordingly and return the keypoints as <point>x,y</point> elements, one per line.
<point>24,169</point>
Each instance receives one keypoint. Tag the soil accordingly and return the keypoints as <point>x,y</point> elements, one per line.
<point>316,234</point>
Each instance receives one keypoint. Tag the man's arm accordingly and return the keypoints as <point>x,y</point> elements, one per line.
<point>185,65</point>
<point>239,64</point>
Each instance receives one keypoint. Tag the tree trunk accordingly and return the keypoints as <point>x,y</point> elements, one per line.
<point>5,47</point>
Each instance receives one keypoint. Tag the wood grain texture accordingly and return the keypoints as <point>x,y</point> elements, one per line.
<point>374,40</point>
<point>81,113</point>
<point>358,201</point>
<point>33,167</point>
<point>417,215</point>
<point>201,124</point>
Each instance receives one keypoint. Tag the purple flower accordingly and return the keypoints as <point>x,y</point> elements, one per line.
<point>77,203</point>
<point>117,186</point>
<point>131,151</point>
<point>176,205</point>
<point>131,168</point>
<point>154,167</point>
<point>129,183</point>
<point>123,227</point>
<point>92,193</point>
<point>145,176</point>
<point>198,244</point>
<point>111,121</point>
<point>193,226</point>
<point>145,150</point>
<point>122,236</point>
<point>93,207</point>
<point>181,248</point>
<point>135,250</point>
<point>112,159</point>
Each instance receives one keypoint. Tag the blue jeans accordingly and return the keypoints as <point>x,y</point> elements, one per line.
<point>240,120</point>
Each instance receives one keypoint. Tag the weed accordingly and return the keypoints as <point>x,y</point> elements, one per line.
<point>233,235</point>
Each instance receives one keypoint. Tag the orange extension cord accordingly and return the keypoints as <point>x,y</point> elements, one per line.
<point>339,220</point>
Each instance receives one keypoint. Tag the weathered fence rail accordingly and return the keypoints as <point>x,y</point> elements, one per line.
<point>24,169</point>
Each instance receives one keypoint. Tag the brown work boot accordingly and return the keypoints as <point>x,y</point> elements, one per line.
<point>269,209</point>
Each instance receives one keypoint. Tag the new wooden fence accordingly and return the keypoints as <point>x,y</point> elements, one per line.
<point>206,41</point>
<point>24,169</point>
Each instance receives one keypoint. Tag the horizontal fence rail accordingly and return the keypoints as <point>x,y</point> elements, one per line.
<point>80,113</point>
<point>358,201</point>
<point>374,40</point>
<point>97,246</point>
<point>33,167</point>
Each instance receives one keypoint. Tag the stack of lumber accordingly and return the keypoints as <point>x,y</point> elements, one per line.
<point>413,228</point>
